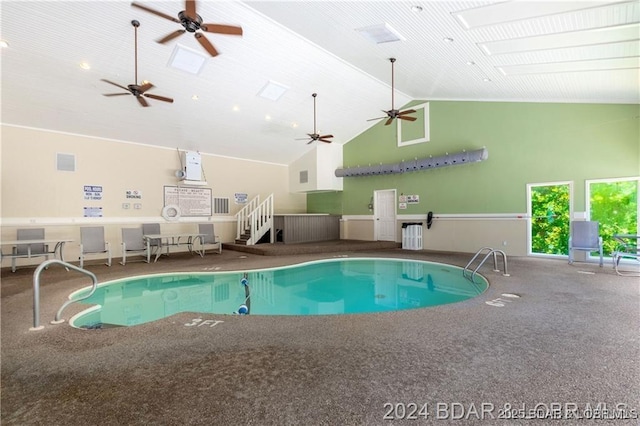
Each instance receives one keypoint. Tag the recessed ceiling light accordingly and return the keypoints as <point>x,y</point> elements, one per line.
<point>486,80</point>
<point>85,66</point>
<point>235,108</point>
<point>294,125</point>
<point>382,33</point>
<point>448,39</point>
<point>267,117</point>
<point>470,63</point>
<point>416,9</point>
<point>3,43</point>
<point>195,97</point>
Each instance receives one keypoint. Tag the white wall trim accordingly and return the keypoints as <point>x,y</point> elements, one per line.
<point>65,221</point>
<point>423,217</point>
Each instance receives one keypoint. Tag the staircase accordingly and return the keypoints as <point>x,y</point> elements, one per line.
<point>254,220</point>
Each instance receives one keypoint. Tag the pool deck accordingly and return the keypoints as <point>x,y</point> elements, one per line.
<point>572,339</point>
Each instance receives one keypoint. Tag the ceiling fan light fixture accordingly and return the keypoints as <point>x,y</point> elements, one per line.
<point>381,33</point>
<point>188,60</point>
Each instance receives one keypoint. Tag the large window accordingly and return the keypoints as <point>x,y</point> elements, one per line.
<point>549,210</point>
<point>614,204</point>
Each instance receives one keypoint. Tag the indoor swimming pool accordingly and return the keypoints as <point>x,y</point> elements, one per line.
<point>325,287</point>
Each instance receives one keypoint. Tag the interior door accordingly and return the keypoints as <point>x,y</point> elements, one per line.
<point>385,215</point>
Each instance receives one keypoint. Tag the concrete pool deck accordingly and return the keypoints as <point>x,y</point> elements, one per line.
<point>569,343</point>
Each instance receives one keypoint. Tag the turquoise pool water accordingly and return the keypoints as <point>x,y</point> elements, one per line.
<point>327,287</point>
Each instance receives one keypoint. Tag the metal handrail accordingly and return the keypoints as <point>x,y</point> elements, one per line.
<point>493,252</point>
<point>36,291</point>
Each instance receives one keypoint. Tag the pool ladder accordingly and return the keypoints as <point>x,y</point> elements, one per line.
<point>468,274</point>
<point>36,291</point>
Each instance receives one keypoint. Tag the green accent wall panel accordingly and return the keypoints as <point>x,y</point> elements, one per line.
<point>527,143</point>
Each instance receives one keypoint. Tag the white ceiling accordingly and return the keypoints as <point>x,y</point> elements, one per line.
<point>572,52</point>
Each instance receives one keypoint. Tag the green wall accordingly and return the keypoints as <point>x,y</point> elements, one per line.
<point>527,143</point>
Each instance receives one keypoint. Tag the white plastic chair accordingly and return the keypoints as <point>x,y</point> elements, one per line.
<point>585,236</point>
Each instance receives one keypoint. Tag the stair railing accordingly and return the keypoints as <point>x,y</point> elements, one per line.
<point>261,221</point>
<point>242,217</point>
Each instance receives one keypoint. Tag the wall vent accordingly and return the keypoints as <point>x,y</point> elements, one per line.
<point>65,162</point>
<point>304,176</point>
<point>220,205</point>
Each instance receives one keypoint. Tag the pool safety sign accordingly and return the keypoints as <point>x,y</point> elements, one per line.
<point>93,212</point>
<point>92,192</point>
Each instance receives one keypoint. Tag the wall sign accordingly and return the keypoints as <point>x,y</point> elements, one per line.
<point>241,198</point>
<point>134,194</point>
<point>191,201</point>
<point>93,212</point>
<point>92,192</point>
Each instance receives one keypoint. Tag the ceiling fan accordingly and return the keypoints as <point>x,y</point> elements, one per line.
<point>394,113</point>
<point>192,22</point>
<point>135,89</point>
<point>315,136</point>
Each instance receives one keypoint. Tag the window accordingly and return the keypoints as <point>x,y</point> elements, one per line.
<point>412,132</point>
<point>614,204</point>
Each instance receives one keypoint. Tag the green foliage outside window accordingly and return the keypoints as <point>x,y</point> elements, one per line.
<point>614,205</point>
<point>550,219</point>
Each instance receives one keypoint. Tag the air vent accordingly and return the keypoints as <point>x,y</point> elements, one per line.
<point>221,206</point>
<point>304,176</point>
<point>65,162</point>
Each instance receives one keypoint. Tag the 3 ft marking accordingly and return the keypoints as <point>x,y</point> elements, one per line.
<point>199,322</point>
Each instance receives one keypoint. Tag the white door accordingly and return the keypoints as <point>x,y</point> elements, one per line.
<point>384,208</point>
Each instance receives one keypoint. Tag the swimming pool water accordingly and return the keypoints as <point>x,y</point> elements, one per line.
<point>328,287</point>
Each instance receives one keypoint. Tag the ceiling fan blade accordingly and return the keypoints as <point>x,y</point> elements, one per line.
<point>171,36</point>
<point>206,44</point>
<point>324,140</point>
<point>145,87</point>
<point>222,29</point>
<point>402,117</point>
<point>160,98</point>
<point>115,84</point>
<point>142,101</point>
<point>407,111</point>
<point>115,94</point>
<point>373,119</point>
<point>311,141</point>
<point>190,9</point>
<point>325,137</point>
<point>155,12</point>
<point>389,121</point>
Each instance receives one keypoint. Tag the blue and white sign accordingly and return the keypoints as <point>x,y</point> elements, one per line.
<point>241,198</point>
<point>93,212</point>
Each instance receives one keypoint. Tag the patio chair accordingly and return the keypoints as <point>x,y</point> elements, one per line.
<point>155,244</point>
<point>29,250</point>
<point>92,242</point>
<point>208,237</point>
<point>132,243</point>
<point>585,236</point>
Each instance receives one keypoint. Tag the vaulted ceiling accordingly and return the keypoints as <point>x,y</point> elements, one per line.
<point>520,51</point>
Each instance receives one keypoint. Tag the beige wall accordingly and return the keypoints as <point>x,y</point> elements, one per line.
<point>453,233</point>
<point>34,194</point>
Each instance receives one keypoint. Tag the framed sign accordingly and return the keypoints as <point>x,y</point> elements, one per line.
<point>190,201</point>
